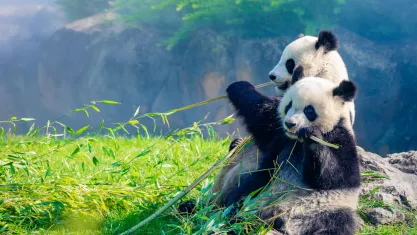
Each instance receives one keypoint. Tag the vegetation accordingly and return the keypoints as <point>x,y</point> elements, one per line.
<point>242,18</point>
<point>98,182</point>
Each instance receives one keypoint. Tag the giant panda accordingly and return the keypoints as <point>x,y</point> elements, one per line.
<point>305,56</point>
<point>325,200</point>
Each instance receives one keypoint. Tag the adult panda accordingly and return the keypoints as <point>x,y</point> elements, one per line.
<point>325,200</point>
<point>305,56</point>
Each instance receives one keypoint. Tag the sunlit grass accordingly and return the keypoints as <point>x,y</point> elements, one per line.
<point>94,182</point>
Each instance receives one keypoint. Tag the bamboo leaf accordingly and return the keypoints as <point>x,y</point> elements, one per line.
<point>95,108</point>
<point>82,130</point>
<point>110,102</point>
<point>27,119</point>
<point>95,161</point>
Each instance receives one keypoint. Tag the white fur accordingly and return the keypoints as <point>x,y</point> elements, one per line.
<point>299,207</point>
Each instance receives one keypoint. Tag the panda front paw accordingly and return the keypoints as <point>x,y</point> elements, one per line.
<point>235,143</point>
<point>307,132</point>
<point>239,88</point>
<point>304,133</point>
<point>187,207</point>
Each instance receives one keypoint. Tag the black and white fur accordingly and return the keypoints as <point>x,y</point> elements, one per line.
<point>310,55</point>
<point>325,201</point>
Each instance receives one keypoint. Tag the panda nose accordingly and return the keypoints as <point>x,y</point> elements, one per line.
<point>272,77</point>
<point>290,124</point>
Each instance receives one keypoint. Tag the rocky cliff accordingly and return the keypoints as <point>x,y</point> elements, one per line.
<point>389,187</point>
<point>87,60</point>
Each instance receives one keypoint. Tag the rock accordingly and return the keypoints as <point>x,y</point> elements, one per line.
<point>393,182</point>
<point>380,216</point>
<point>406,162</point>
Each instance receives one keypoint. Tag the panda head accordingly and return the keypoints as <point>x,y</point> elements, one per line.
<point>309,56</point>
<point>315,102</point>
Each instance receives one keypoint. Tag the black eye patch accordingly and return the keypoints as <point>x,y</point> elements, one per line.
<point>310,113</point>
<point>298,74</point>
<point>290,65</point>
<point>288,107</point>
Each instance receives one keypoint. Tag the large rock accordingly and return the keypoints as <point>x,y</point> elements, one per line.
<point>392,181</point>
<point>87,60</point>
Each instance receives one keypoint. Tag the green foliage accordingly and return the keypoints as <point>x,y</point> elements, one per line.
<point>242,18</point>
<point>78,9</point>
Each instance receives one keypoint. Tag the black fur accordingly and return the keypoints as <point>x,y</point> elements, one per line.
<point>260,116</point>
<point>310,113</point>
<point>341,167</point>
<point>284,86</point>
<point>288,107</point>
<point>290,65</point>
<point>298,74</point>
<point>259,113</point>
<point>327,40</point>
<point>347,90</point>
<point>235,143</point>
<point>187,207</point>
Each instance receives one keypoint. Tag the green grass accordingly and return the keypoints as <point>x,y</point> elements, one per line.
<point>106,185</point>
<point>96,184</point>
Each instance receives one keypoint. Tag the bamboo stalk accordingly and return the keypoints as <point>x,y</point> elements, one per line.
<point>214,99</point>
<point>320,141</point>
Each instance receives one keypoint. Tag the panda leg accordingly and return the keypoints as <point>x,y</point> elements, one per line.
<point>235,143</point>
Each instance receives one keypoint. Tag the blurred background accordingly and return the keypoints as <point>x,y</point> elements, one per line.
<point>57,55</point>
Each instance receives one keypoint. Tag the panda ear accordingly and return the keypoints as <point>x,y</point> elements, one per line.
<point>327,40</point>
<point>346,90</point>
<point>300,36</point>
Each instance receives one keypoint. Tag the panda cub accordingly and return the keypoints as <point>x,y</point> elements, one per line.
<point>305,56</point>
<point>325,201</point>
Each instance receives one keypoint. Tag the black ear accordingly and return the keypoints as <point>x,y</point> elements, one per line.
<point>297,74</point>
<point>327,40</point>
<point>346,90</point>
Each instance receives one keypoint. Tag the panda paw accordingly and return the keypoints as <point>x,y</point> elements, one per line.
<point>235,143</point>
<point>304,133</point>
<point>187,207</point>
<point>239,88</point>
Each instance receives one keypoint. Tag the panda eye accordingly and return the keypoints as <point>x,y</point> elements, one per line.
<point>290,65</point>
<point>310,113</point>
<point>288,107</point>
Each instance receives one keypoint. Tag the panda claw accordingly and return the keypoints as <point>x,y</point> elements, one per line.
<point>187,207</point>
<point>235,143</point>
